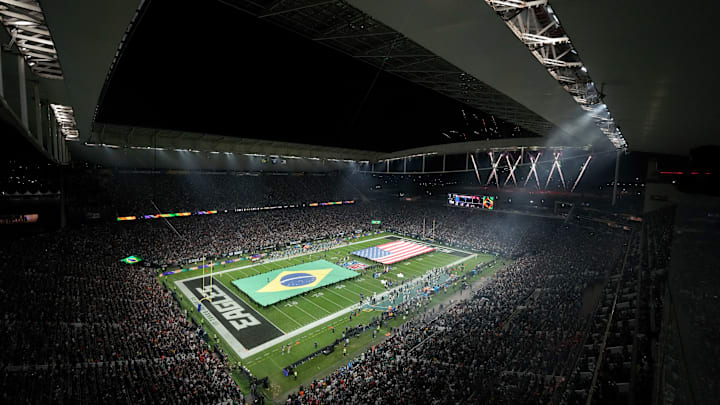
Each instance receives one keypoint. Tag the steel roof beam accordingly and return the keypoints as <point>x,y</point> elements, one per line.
<point>537,26</point>
<point>343,27</point>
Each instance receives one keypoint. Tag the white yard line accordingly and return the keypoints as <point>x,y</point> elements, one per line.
<point>308,300</point>
<point>361,287</point>
<point>353,291</point>
<point>341,296</point>
<point>288,316</point>
<point>331,301</point>
<point>305,312</point>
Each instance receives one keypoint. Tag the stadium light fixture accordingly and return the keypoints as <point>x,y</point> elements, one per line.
<point>533,169</point>
<point>582,171</point>
<point>65,118</point>
<point>477,173</point>
<point>25,23</point>
<point>512,167</point>
<point>536,24</point>
<point>145,148</point>
<point>555,165</point>
<point>495,164</point>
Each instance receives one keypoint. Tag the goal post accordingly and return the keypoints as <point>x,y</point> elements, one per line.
<point>207,285</point>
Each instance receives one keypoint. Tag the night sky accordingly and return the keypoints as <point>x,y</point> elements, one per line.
<point>216,70</point>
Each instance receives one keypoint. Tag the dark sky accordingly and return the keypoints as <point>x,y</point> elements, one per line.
<point>205,67</point>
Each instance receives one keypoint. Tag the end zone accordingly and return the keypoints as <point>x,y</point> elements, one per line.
<point>238,323</point>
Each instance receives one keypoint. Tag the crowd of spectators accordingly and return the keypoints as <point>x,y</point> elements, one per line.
<point>507,344</point>
<point>180,240</point>
<point>82,328</point>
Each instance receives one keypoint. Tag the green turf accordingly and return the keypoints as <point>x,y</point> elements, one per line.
<point>321,302</point>
<point>303,309</point>
<point>271,362</point>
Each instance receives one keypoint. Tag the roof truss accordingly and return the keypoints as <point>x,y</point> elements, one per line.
<point>25,22</point>
<point>343,27</point>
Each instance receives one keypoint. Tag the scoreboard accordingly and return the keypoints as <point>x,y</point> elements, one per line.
<point>474,201</point>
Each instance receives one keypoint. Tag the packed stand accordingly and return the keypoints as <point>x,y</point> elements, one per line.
<point>79,328</point>
<point>507,344</point>
<point>182,240</point>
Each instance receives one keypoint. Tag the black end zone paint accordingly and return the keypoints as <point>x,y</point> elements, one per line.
<point>247,326</point>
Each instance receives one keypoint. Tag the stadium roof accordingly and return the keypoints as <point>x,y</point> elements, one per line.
<point>626,46</point>
<point>349,30</point>
<point>648,57</point>
<point>284,87</point>
<point>143,139</point>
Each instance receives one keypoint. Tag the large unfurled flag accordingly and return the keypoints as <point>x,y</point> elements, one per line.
<point>281,284</point>
<point>292,280</point>
<point>393,252</point>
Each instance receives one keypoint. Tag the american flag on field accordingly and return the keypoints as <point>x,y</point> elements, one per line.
<point>393,252</point>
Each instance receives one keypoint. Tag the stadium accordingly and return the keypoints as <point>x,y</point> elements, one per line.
<point>358,202</point>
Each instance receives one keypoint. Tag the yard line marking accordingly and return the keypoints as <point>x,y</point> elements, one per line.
<point>341,296</point>
<point>288,316</point>
<point>331,301</point>
<point>306,312</point>
<point>306,299</point>
<point>356,292</point>
<point>357,284</point>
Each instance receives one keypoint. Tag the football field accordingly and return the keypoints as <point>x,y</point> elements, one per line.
<point>301,310</point>
<point>309,302</point>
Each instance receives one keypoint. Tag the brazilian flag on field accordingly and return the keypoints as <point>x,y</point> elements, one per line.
<point>277,285</point>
